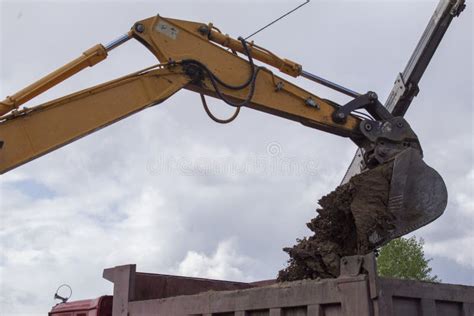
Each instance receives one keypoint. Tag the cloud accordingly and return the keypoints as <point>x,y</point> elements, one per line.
<point>224,264</point>
<point>460,250</point>
<point>463,194</point>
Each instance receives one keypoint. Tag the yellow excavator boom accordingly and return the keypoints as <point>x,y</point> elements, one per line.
<point>198,57</point>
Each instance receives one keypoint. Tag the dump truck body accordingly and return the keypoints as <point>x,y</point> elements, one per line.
<point>358,291</point>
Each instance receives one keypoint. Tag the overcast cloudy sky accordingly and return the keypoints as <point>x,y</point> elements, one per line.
<point>172,191</point>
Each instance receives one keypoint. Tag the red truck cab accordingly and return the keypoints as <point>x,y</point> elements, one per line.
<point>101,306</point>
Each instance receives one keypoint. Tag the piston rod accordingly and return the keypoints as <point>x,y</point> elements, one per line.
<point>329,84</point>
<point>117,42</point>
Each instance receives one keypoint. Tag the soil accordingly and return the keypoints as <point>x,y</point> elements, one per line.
<point>351,220</point>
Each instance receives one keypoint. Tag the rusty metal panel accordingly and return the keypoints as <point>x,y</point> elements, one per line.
<point>332,310</point>
<point>355,297</point>
<point>351,294</point>
<point>314,310</point>
<point>154,286</point>
<point>290,299</point>
<point>405,306</point>
<point>449,308</point>
<point>409,297</point>
<point>294,311</point>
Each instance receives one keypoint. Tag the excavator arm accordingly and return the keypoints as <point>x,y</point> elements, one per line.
<point>29,133</point>
<point>198,57</point>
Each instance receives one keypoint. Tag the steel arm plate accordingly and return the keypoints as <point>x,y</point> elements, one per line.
<point>34,132</point>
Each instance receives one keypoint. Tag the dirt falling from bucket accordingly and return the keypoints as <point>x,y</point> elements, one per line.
<point>346,220</point>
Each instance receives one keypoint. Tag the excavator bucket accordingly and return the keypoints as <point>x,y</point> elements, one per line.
<point>396,198</point>
<point>373,208</point>
<point>418,194</point>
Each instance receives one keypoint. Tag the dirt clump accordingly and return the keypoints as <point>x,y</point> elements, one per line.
<point>351,220</point>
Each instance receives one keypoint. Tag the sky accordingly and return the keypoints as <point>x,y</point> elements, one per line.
<point>173,192</point>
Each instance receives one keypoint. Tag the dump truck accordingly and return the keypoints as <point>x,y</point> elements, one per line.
<point>358,291</point>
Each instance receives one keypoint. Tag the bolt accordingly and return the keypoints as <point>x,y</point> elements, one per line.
<point>368,127</point>
<point>373,95</point>
<point>279,87</point>
<point>204,30</point>
<point>139,28</point>
<point>339,117</point>
<point>311,102</point>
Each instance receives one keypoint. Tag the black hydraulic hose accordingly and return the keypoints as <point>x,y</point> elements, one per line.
<point>216,119</point>
<point>216,81</point>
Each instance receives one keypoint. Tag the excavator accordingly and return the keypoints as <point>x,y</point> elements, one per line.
<point>200,58</point>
